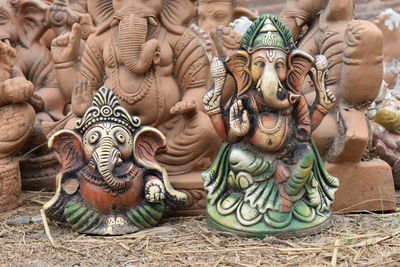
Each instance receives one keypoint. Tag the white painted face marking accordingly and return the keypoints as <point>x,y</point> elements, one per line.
<point>271,54</point>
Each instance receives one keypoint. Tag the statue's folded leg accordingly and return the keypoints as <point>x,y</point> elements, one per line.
<point>191,144</point>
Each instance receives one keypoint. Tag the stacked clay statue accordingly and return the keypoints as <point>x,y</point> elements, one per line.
<point>268,178</point>
<point>110,182</point>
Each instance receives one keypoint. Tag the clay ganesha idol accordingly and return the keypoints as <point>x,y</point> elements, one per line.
<point>268,178</point>
<point>110,182</point>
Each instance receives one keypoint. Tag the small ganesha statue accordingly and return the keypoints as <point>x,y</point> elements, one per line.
<point>268,178</point>
<point>110,182</point>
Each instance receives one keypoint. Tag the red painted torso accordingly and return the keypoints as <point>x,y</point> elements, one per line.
<point>105,202</point>
<point>271,131</point>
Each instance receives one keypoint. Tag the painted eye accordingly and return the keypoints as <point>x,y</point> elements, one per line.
<point>279,66</point>
<point>120,137</point>
<point>260,64</point>
<point>94,138</point>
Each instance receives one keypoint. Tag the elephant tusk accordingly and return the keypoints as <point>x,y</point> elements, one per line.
<point>293,98</point>
<point>92,165</point>
<point>119,162</point>
<point>152,21</point>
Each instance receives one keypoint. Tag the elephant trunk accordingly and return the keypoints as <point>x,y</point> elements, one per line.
<point>137,53</point>
<point>106,157</point>
<point>272,88</point>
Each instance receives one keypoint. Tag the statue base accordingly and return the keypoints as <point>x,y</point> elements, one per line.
<point>10,185</point>
<point>192,185</point>
<point>261,231</point>
<point>364,186</point>
<point>39,173</point>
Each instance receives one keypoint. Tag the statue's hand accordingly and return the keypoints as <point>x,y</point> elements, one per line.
<point>154,190</point>
<point>82,97</point>
<point>17,90</point>
<point>326,98</point>
<point>212,99</point>
<point>65,48</point>
<point>37,103</point>
<point>239,119</point>
<point>184,107</point>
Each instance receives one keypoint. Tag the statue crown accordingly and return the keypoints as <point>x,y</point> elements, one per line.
<point>267,31</point>
<point>106,108</point>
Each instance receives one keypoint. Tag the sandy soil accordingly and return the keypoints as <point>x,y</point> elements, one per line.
<point>353,240</point>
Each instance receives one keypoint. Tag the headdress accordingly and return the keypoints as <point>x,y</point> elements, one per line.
<point>267,31</point>
<point>106,108</point>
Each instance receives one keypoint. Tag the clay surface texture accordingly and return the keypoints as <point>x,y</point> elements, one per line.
<point>268,178</point>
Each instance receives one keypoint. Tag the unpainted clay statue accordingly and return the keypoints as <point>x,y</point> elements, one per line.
<point>385,111</point>
<point>23,24</point>
<point>389,23</point>
<point>214,17</point>
<point>354,49</point>
<point>156,67</point>
<point>110,182</point>
<point>268,178</point>
<point>16,121</point>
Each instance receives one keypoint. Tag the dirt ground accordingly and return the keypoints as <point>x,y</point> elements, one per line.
<point>353,240</point>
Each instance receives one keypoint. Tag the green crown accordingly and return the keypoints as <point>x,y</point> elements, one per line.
<point>267,31</point>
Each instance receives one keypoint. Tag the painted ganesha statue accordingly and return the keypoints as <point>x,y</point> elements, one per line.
<point>143,51</point>
<point>110,182</point>
<point>268,178</point>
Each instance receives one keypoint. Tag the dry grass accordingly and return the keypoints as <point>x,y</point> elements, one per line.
<point>353,240</point>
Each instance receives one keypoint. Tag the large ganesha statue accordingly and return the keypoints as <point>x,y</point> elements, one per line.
<point>268,178</point>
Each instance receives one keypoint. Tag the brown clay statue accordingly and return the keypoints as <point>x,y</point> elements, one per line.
<point>389,23</point>
<point>354,52</point>
<point>16,121</point>
<point>23,23</point>
<point>213,19</point>
<point>385,111</point>
<point>110,182</point>
<point>268,178</point>
<point>158,70</point>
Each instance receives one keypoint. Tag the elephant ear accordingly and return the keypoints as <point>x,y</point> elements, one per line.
<point>239,66</point>
<point>176,14</point>
<point>68,146</point>
<point>31,17</point>
<point>145,144</point>
<point>299,65</point>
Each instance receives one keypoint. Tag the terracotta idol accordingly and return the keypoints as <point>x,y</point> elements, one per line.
<point>268,178</point>
<point>110,182</point>
<point>213,18</point>
<point>354,49</point>
<point>16,121</point>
